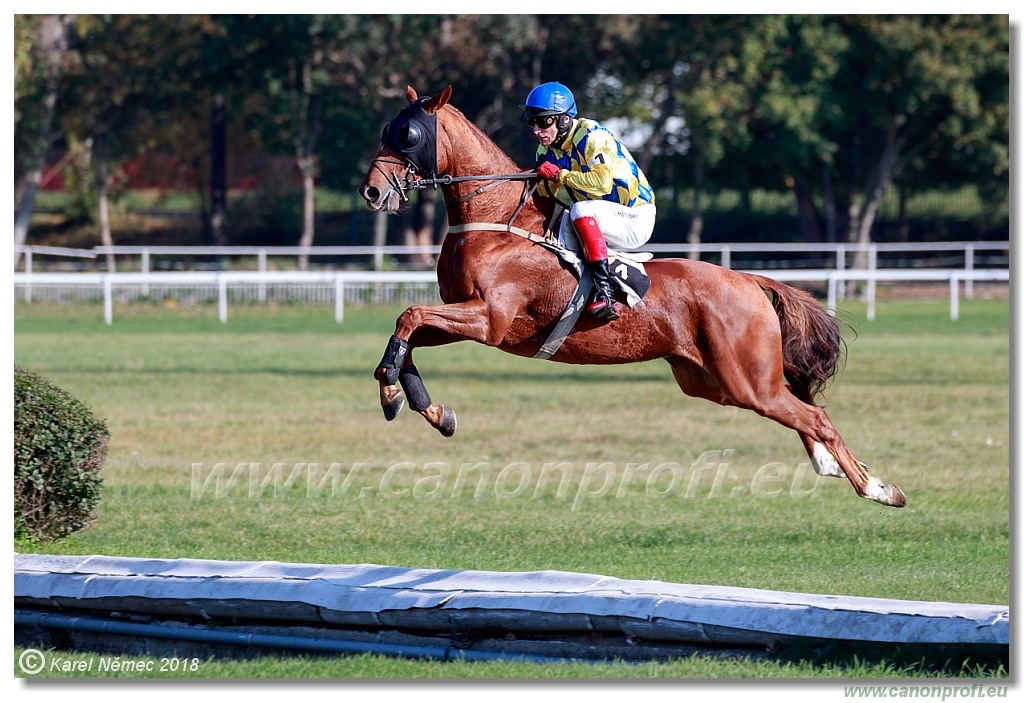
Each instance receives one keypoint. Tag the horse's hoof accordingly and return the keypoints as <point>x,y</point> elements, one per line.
<point>896,497</point>
<point>391,411</point>
<point>883,493</point>
<point>448,422</point>
<point>392,403</point>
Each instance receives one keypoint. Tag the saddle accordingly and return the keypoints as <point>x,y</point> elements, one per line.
<point>627,272</point>
<point>627,268</point>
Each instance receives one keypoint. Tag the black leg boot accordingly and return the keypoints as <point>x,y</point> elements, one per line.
<point>603,303</point>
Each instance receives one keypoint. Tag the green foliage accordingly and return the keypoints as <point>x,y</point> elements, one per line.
<point>59,450</point>
<point>819,105</point>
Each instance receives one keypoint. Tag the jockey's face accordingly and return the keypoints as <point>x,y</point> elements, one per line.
<point>545,135</point>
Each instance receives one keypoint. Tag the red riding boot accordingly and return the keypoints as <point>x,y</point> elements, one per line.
<point>602,303</point>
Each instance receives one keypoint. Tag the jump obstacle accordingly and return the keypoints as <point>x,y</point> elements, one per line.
<point>96,592</point>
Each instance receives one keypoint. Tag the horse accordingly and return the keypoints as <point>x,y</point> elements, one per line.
<point>730,337</point>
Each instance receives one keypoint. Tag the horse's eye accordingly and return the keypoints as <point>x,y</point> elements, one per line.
<point>410,135</point>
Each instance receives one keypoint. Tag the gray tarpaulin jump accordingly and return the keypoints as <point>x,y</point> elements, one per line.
<point>540,601</point>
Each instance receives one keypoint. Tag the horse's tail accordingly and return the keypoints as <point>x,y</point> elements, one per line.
<point>812,343</point>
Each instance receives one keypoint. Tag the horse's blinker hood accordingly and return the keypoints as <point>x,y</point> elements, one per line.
<point>413,134</point>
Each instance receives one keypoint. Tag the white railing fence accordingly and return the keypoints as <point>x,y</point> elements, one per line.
<point>405,287</point>
<point>722,253</point>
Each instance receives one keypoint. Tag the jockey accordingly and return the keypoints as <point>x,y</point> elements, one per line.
<point>609,197</point>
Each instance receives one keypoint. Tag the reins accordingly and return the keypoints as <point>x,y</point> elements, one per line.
<point>498,178</point>
<point>404,185</point>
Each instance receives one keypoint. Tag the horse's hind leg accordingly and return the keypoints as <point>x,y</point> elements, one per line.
<point>821,458</point>
<point>831,457</point>
<point>829,454</point>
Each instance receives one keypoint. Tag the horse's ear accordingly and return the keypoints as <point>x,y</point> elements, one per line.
<point>445,96</point>
<point>438,101</point>
<point>410,94</point>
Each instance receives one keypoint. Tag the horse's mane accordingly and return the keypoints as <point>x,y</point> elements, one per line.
<point>496,153</point>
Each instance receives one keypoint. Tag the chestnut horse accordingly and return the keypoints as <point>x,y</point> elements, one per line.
<point>733,338</point>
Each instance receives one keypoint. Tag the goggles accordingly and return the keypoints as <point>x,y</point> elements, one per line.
<point>542,121</point>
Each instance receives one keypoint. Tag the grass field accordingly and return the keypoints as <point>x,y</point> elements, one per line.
<point>607,470</point>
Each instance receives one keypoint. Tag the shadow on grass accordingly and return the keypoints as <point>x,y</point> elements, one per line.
<point>477,374</point>
<point>952,660</point>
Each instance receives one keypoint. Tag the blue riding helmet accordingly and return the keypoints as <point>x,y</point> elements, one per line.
<point>550,99</point>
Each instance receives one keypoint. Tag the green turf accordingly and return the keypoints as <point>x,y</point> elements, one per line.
<point>263,439</point>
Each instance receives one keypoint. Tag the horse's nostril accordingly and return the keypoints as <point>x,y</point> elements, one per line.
<point>371,194</point>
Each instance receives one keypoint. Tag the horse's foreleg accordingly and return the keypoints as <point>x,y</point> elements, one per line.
<point>440,417</point>
<point>397,369</point>
<point>421,326</point>
<point>387,373</point>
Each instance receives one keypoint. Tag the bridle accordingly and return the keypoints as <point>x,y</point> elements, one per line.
<point>412,134</point>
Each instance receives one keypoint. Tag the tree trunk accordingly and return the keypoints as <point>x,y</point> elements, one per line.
<point>53,38</point>
<point>308,169</point>
<point>218,173</point>
<point>696,219</point>
<point>831,217</point>
<point>904,226</point>
<point>876,187</point>
<point>106,238</point>
<point>864,207</point>
<point>307,121</point>
<point>380,231</point>
<point>807,214</point>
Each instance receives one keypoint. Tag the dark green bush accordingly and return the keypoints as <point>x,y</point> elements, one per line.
<point>59,450</point>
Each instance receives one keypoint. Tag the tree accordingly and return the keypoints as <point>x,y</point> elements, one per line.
<point>684,81</point>
<point>123,93</point>
<point>907,84</point>
<point>40,49</point>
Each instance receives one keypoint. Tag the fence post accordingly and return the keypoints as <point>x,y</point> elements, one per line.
<point>339,298</point>
<point>833,280</point>
<point>222,297</point>
<point>108,302</point>
<point>871,296</point>
<point>263,269</point>
<point>28,272</point>
<point>872,281</point>
<point>841,266</point>
<point>727,257</point>
<point>954,297</point>
<point>145,271</point>
<point>969,265</point>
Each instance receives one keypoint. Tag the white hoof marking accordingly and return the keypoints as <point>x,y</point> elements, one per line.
<point>824,463</point>
<point>876,491</point>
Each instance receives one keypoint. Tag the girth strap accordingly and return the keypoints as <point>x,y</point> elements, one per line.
<point>568,319</point>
